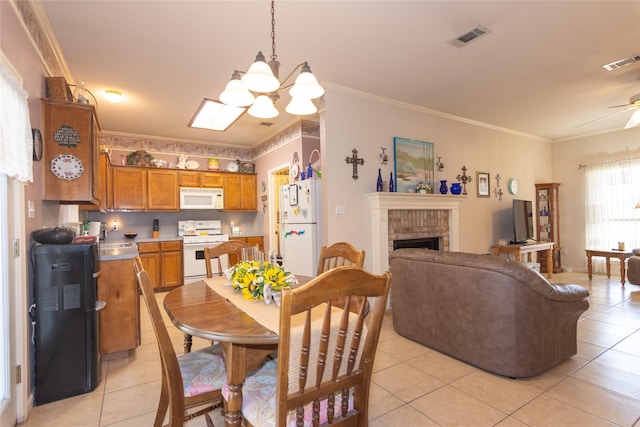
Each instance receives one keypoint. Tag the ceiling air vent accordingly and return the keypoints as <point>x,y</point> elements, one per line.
<point>622,62</point>
<point>470,35</point>
<point>265,124</point>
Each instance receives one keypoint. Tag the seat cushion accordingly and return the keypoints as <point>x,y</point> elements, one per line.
<point>202,371</point>
<point>259,399</point>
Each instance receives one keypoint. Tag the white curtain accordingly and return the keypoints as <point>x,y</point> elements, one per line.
<point>612,193</point>
<point>16,143</point>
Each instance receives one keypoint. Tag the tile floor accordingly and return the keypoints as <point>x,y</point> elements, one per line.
<point>415,386</point>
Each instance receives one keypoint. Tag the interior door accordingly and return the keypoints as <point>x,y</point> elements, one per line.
<point>12,303</point>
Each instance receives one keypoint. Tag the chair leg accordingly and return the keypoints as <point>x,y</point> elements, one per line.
<point>163,404</point>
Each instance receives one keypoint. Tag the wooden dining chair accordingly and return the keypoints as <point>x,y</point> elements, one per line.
<point>191,380</point>
<point>215,252</point>
<point>325,357</point>
<point>338,255</point>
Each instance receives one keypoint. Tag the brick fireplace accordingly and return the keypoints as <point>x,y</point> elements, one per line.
<point>399,216</point>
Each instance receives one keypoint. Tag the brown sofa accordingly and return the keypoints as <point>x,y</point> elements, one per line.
<point>488,311</point>
<point>633,270</point>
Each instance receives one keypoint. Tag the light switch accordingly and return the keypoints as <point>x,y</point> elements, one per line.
<point>341,209</point>
<point>31,209</point>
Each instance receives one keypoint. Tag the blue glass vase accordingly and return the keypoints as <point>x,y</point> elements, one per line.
<point>456,188</point>
<point>443,187</point>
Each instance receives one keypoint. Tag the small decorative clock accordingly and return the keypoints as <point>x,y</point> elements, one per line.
<point>513,186</point>
<point>37,144</point>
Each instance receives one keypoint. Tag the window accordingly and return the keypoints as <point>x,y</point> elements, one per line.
<point>611,216</point>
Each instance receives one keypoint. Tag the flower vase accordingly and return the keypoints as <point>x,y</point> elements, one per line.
<point>456,188</point>
<point>443,187</point>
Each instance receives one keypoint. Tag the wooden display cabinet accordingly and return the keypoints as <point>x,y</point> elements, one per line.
<point>548,222</point>
<point>71,152</point>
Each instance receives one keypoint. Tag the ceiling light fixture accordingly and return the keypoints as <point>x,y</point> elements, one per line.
<point>214,115</point>
<point>634,120</point>
<point>259,87</point>
<point>113,95</point>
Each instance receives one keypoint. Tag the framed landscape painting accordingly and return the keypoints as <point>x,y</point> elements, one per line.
<point>413,166</point>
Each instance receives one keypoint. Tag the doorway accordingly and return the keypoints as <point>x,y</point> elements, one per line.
<point>277,177</point>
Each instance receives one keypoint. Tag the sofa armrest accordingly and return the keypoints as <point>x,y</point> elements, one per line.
<point>566,292</point>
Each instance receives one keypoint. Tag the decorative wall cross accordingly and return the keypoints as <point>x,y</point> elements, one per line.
<point>464,179</point>
<point>356,161</point>
<point>498,191</point>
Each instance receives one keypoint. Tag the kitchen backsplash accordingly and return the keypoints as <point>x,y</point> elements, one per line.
<point>250,223</point>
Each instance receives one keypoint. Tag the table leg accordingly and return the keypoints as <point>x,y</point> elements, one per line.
<point>518,256</point>
<point>234,360</point>
<point>608,267</point>
<point>622,272</point>
<point>589,265</point>
<point>550,263</point>
<point>187,343</point>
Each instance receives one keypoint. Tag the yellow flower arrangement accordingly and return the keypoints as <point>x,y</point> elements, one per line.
<point>259,280</point>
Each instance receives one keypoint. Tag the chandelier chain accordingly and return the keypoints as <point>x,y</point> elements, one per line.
<point>273,31</point>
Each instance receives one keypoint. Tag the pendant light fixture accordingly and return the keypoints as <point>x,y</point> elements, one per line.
<point>258,88</point>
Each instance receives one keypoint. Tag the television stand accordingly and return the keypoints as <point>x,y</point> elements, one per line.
<point>518,249</point>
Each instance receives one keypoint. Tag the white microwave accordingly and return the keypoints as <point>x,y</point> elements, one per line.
<point>201,198</point>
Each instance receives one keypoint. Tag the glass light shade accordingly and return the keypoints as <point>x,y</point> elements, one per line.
<point>263,108</point>
<point>634,120</point>
<point>301,106</point>
<point>260,77</point>
<point>113,96</point>
<point>306,85</point>
<point>237,94</point>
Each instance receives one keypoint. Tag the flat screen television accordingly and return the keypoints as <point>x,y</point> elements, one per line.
<point>522,221</point>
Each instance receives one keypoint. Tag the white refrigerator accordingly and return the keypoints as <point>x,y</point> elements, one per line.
<point>301,232</point>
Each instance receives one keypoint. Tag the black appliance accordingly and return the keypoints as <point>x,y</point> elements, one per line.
<point>67,356</point>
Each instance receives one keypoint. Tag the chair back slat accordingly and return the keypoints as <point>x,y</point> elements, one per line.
<point>340,254</point>
<point>224,248</point>
<point>339,391</point>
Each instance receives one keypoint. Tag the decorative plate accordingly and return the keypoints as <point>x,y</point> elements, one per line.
<point>232,167</point>
<point>192,164</point>
<point>67,167</point>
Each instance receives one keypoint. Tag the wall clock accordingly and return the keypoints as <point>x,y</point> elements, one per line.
<point>513,186</point>
<point>37,144</point>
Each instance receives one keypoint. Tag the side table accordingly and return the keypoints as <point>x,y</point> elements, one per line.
<point>518,250</point>
<point>613,253</point>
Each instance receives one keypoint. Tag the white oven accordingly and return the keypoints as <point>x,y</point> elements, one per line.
<point>196,235</point>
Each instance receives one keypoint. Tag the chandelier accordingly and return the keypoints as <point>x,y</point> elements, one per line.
<point>259,87</point>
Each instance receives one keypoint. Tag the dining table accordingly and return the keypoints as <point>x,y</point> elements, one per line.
<point>210,309</point>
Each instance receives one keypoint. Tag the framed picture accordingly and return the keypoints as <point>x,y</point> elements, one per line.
<point>482,178</point>
<point>413,166</point>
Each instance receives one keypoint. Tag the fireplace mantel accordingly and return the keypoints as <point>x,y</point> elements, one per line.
<point>381,203</point>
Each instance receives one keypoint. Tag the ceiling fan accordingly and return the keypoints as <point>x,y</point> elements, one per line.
<point>633,105</point>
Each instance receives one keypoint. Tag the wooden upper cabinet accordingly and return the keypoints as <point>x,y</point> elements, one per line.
<point>145,189</point>
<point>212,180</point>
<point>240,192</point>
<point>129,188</point>
<point>162,190</point>
<point>71,152</point>
<point>189,179</point>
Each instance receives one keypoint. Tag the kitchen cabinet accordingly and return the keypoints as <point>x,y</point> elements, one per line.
<point>200,179</point>
<point>163,260</point>
<point>71,152</point>
<point>120,319</point>
<point>252,240</point>
<point>145,189</point>
<point>240,192</point>
<point>548,222</point>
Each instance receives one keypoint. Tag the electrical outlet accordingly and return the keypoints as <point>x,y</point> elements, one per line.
<point>115,224</point>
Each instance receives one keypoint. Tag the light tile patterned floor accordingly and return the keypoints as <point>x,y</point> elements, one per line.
<point>416,386</point>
